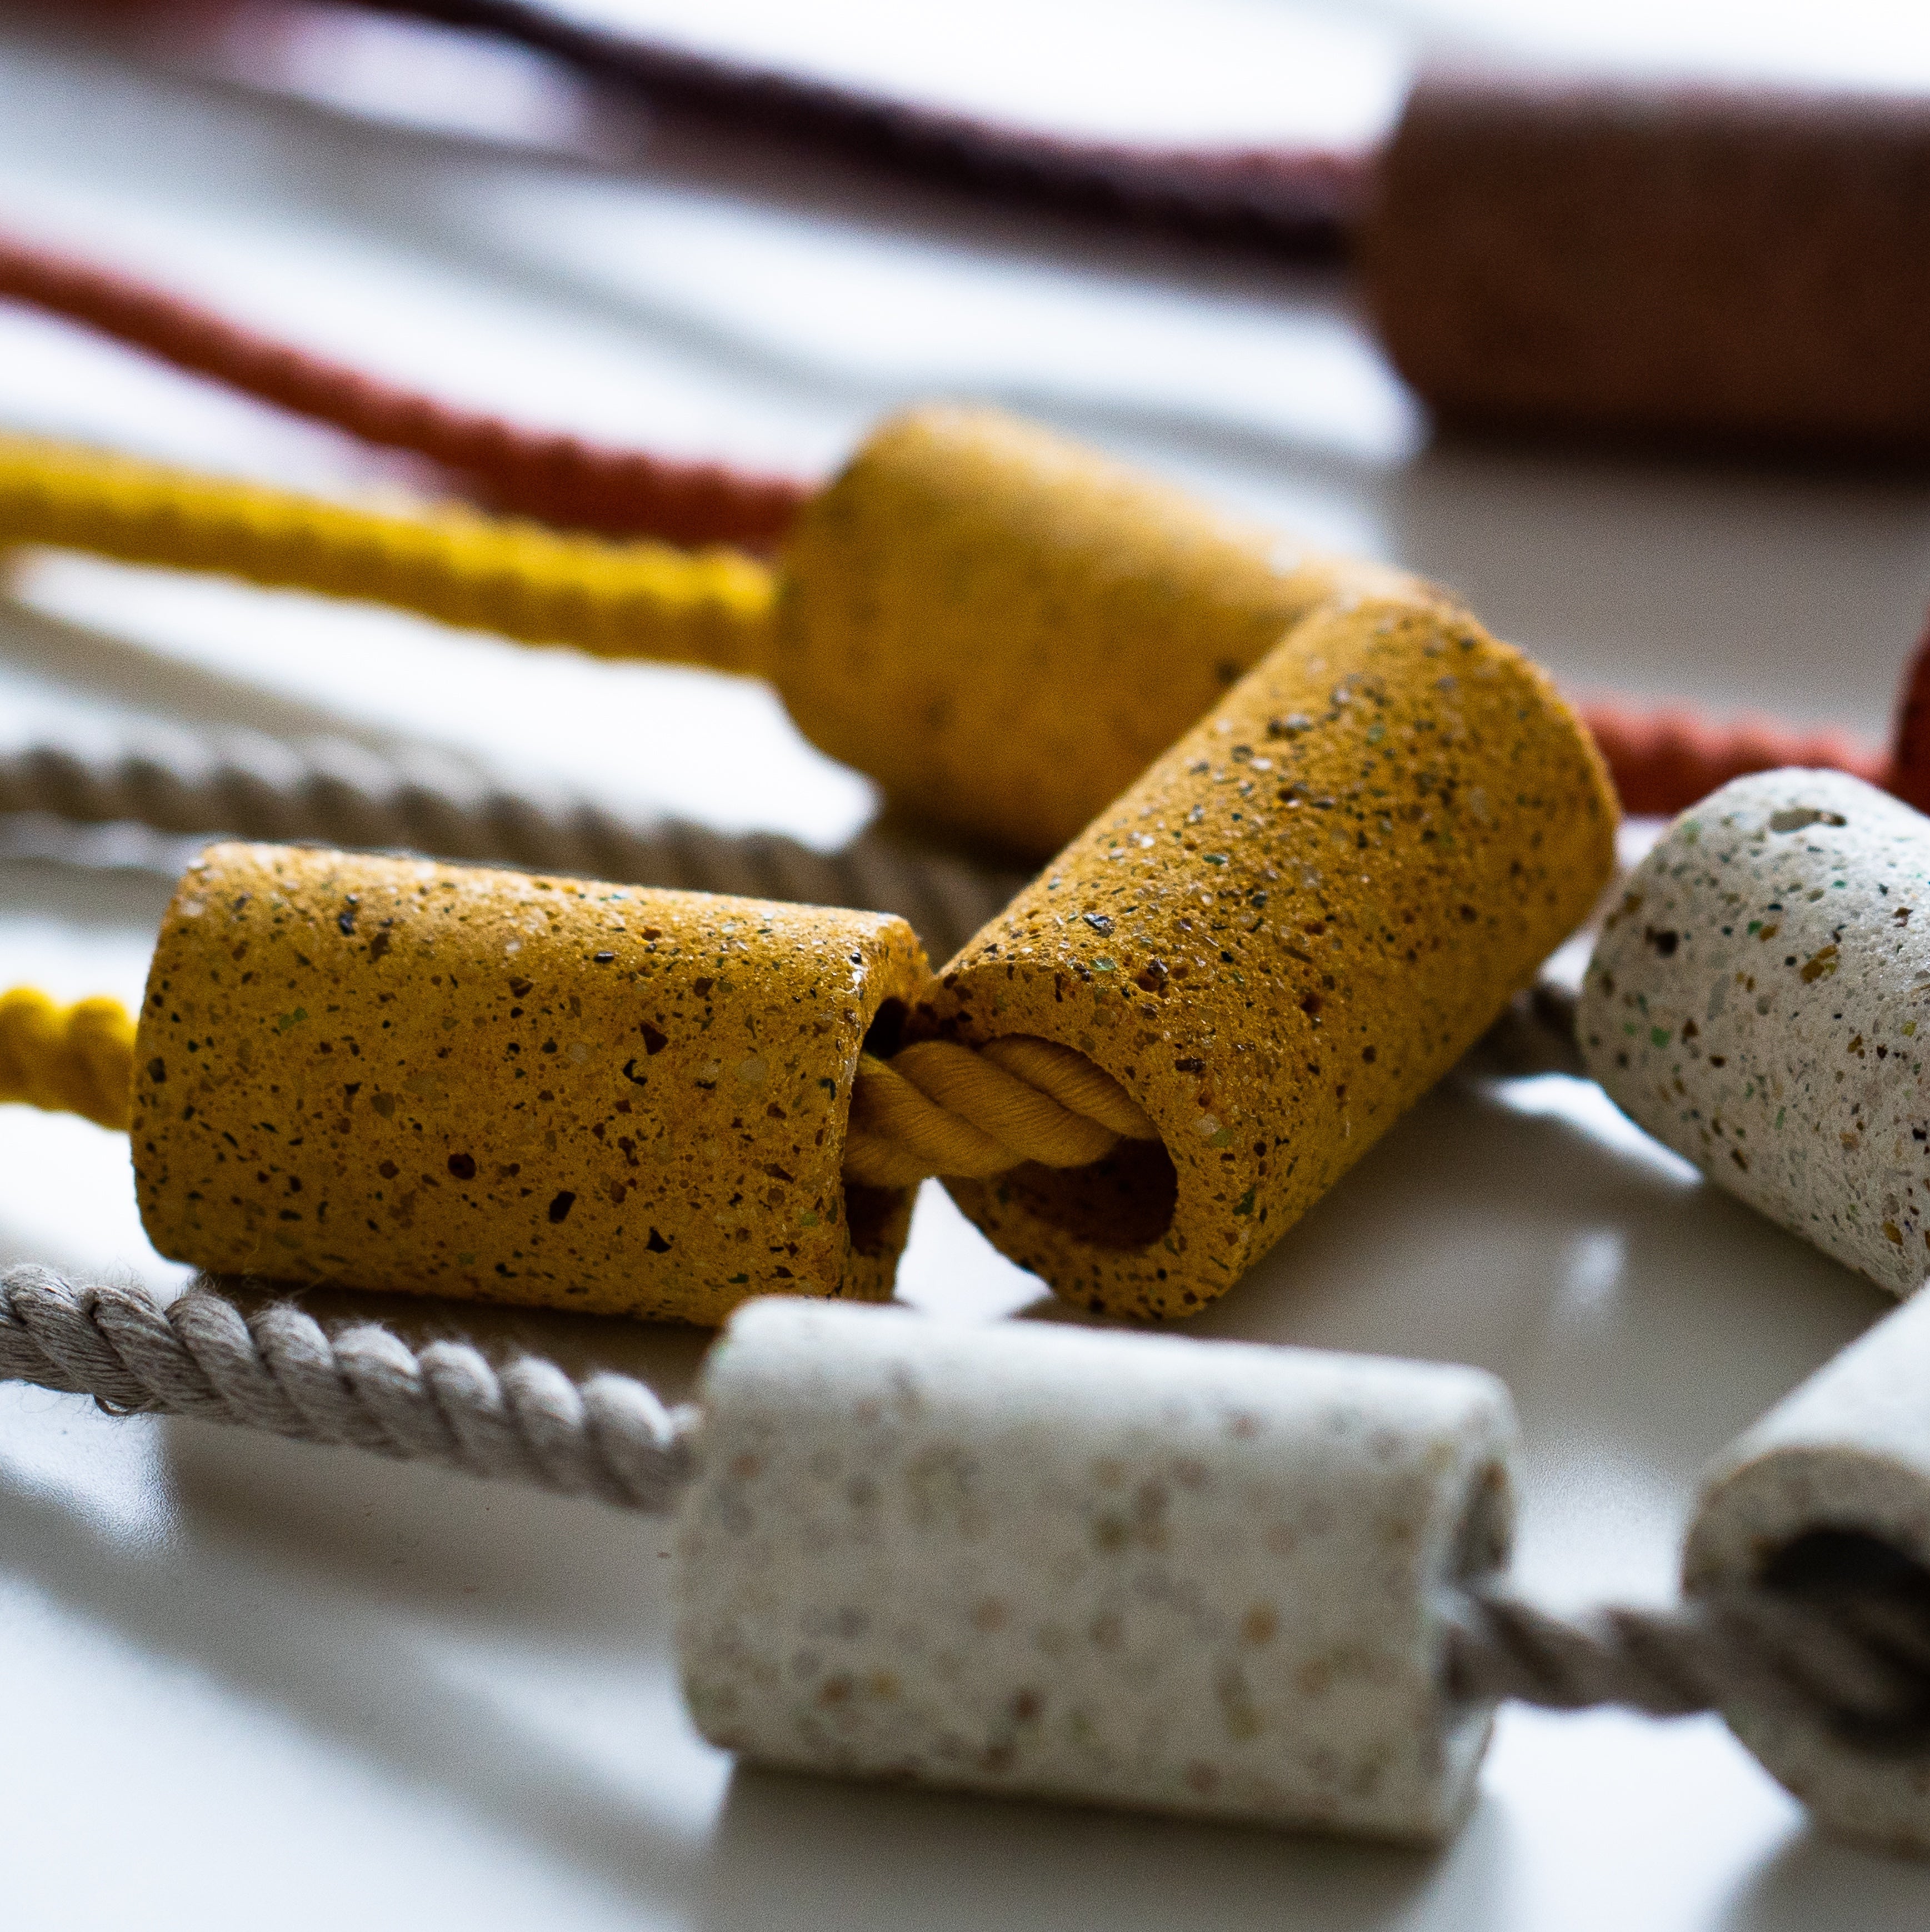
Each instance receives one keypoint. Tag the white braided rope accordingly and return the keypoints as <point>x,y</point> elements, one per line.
<point>279,1370</point>
<point>331,792</point>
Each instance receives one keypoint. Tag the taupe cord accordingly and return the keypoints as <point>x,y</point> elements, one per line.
<point>331,792</point>
<point>328,792</point>
<point>279,1370</point>
<point>1856,1660</point>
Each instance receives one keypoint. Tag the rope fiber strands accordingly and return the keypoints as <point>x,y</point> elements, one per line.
<point>711,607</point>
<point>1664,761</point>
<point>1857,1654</point>
<point>557,479</point>
<point>607,1437</point>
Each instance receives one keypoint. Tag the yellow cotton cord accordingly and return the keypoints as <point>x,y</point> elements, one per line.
<point>70,1059</point>
<point>935,1108</point>
<point>711,607</point>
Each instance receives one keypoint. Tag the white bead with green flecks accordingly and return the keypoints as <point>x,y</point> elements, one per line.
<point>1759,1001</point>
<point>1188,1576</point>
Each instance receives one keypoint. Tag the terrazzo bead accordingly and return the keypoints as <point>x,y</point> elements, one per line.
<point>1003,629</point>
<point>1629,255</point>
<point>1182,1576</point>
<point>396,1075</point>
<point>1756,1001</point>
<point>1846,1458</point>
<point>1282,936</point>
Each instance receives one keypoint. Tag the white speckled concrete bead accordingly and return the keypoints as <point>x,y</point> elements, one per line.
<point>1847,1455</point>
<point>1187,1576</point>
<point>1760,1002</point>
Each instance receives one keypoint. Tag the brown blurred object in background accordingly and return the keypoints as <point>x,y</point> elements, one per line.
<point>1690,264</point>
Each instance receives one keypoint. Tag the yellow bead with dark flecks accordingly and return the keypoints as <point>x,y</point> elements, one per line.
<point>1004,628</point>
<point>392,1074</point>
<point>1282,936</point>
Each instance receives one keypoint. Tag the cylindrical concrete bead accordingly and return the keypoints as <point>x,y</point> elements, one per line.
<point>1003,629</point>
<point>1641,258</point>
<point>1280,938</point>
<point>1197,1577</point>
<point>1759,1001</point>
<point>397,1075</point>
<point>1838,1472</point>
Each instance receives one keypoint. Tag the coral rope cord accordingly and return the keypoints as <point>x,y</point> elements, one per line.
<point>560,479</point>
<point>631,600</point>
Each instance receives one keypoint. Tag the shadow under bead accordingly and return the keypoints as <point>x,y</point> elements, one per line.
<point>1281,937</point>
<point>397,1075</point>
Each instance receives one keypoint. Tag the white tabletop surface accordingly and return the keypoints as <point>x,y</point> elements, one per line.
<point>248,1683</point>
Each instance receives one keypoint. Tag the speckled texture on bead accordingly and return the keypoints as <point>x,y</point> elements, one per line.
<point>1280,938</point>
<point>1849,1451</point>
<point>1188,1576</point>
<point>1759,1001</point>
<point>1003,629</point>
<point>392,1074</point>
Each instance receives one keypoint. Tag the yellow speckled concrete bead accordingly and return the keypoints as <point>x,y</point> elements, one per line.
<point>1281,937</point>
<point>1004,629</point>
<point>392,1074</point>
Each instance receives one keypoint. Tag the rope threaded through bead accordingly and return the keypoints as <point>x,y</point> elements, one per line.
<point>1853,1656</point>
<point>934,1108</point>
<point>714,607</point>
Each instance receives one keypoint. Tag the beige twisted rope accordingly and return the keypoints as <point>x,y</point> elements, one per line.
<point>330,792</point>
<point>1857,1660</point>
<point>279,1370</point>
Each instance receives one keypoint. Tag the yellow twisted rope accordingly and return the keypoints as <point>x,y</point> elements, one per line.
<point>710,608</point>
<point>939,1108</point>
<point>69,1059</point>
<point>935,1108</point>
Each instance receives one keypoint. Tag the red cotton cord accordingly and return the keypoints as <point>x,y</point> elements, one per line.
<point>559,479</point>
<point>1662,760</point>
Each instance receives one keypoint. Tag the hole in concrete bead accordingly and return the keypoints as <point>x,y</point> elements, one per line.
<point>886,1033</point>
<point>1484,1541</point>
<point>1124,1201</point>
<point>1826,1566</point>
<point>1487,1532</point>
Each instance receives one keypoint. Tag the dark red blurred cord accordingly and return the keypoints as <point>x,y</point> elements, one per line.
<point>1302,202</point>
